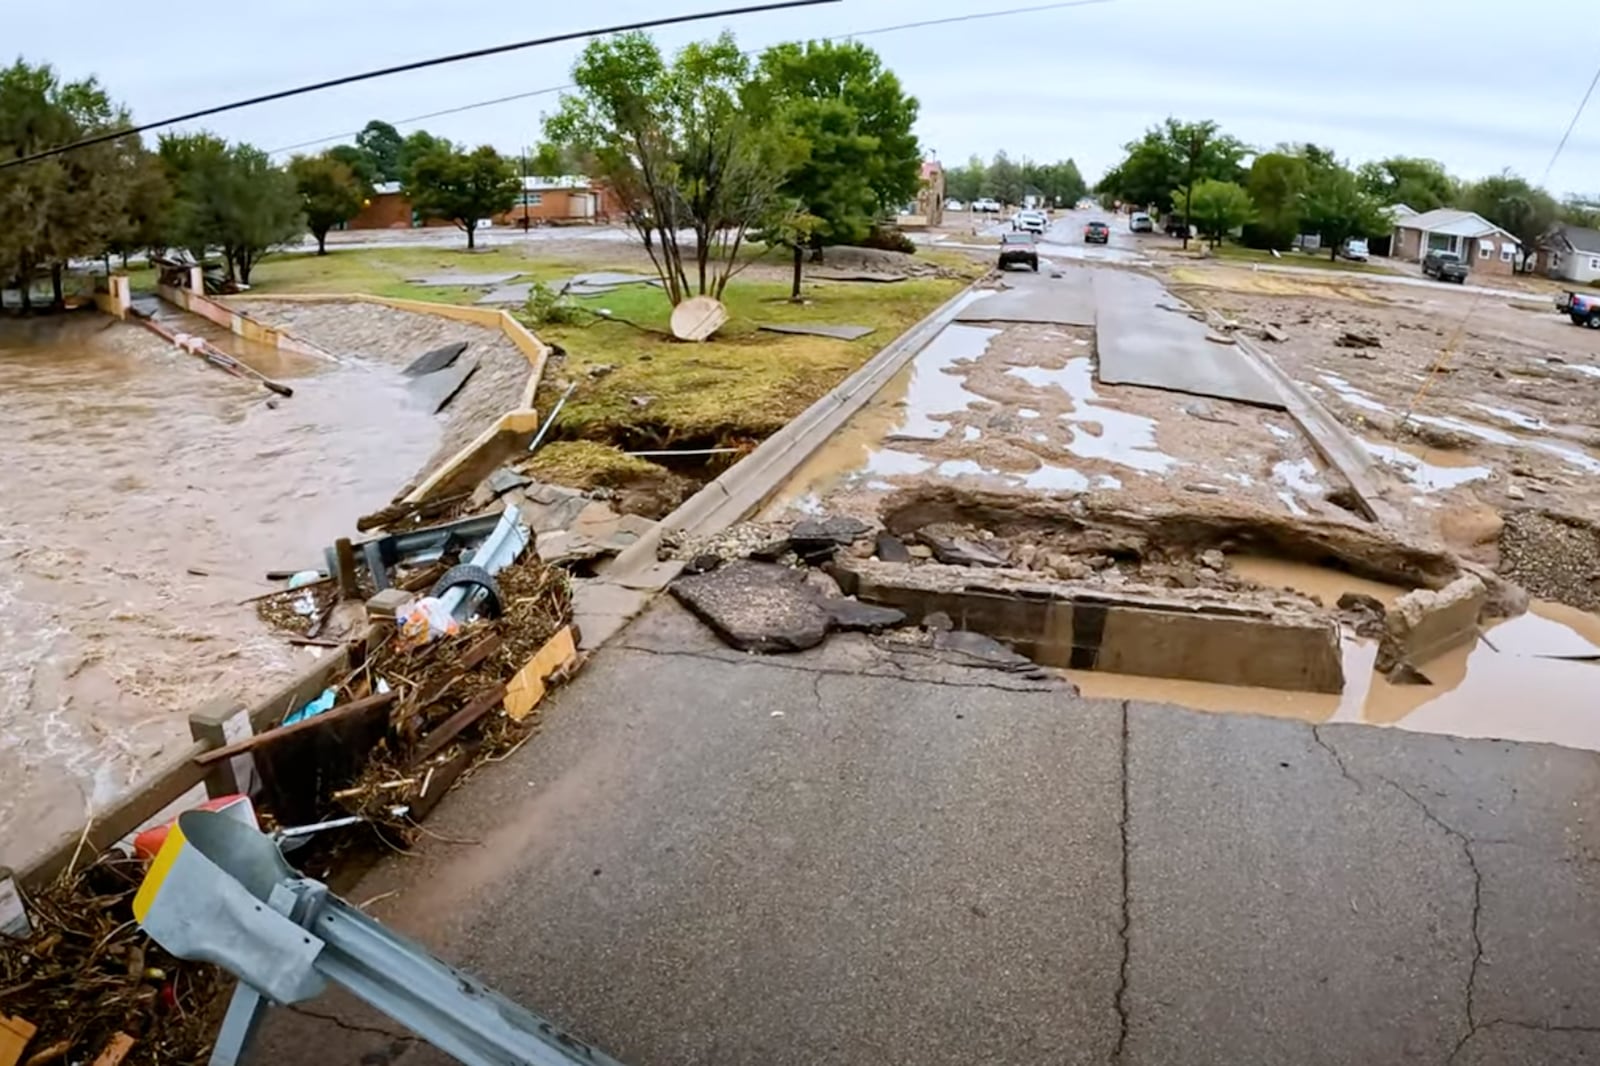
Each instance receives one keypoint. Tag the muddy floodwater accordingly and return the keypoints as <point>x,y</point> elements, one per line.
<point>146,494</point>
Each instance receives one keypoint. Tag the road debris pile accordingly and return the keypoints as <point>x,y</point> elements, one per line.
<point>86,984</point>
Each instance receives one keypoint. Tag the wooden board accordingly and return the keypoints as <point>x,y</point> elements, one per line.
<point>528,687</point>
<point>116,1050</point>
<point>14,1036</point>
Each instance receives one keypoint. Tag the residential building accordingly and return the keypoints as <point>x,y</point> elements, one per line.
<point>1571,253</point>
<point>554,200</point>
<point>1383,243</point>
<point>386,208</point>
<point>1485,247</point>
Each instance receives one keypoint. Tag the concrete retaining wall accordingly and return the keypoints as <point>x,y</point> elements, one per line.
<point>1424,624</point>
<point>242,325</point>
<point>113,295</point>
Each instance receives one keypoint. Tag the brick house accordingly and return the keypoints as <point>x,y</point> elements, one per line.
<point>1569,253</point>
<point>544,200</point>
<point>1485,247</point>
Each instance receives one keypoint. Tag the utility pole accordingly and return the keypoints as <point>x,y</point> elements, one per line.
<point>524,190</point>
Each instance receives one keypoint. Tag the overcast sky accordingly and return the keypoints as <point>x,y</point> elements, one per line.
<point>1368,77</point>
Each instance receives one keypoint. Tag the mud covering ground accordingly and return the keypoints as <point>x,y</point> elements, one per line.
<point>362,332</point>
<point>145,495</point>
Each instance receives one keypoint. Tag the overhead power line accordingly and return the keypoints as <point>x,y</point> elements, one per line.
<point>458,57</point>
<point>1576,115</point>
<point>530,94</point>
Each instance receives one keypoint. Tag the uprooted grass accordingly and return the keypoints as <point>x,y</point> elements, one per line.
<point>587,464</point>
<point>743,384</point>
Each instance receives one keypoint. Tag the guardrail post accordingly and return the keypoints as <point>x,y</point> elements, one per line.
<point>218,724</point>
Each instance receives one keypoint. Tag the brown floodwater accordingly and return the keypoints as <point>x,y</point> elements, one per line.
<point>1532,677</point>
<point>146,493</point>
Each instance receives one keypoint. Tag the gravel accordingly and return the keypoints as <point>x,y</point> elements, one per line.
<point>1553,556</point>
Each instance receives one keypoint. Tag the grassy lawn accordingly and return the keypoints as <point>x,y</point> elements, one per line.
<point>1239,254</point>
<point>389,271</point>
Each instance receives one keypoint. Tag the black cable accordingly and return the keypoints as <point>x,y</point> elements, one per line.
<point>837,37</point>
<point>772,5</point>
<point>1576,115</point>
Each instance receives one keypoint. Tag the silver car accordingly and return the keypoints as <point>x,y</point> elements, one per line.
<point>1030,222</point>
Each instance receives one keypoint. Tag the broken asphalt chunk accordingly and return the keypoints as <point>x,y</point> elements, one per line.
<point>755,606</point>
<point>891,549</point>
<point>957,551</point>
<point>854,617</point>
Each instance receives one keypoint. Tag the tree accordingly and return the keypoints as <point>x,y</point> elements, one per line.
<point>1217,207</point>
<point>361,164</point>
<point>231,198</point>
<point>1173,157</point>
<point>1581,211</point>
<point>1420,184</point>
<point>1004,180</point>
<point>550,160</point>
<point>413,148</point>
<point>1277,186</point>
<point>381,144</point>
<point>1521,209</point>
<point>1204,153</point>
<point>146,223</point>
<point>849,128</point>
<point>677,146</point>
<point>464,187</point>
<point>965,183</point>
<point>330,194</point>
<point>1335,208</point>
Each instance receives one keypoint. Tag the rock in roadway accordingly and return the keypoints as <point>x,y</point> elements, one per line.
<point>756,606</point>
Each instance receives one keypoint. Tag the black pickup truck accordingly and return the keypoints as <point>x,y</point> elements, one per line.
<point>1446,266</point>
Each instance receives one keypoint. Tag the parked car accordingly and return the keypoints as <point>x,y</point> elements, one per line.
<point>1354,249</point>
<point>1140,222</point>
<point>1030,221</point>
<point>1583,310</point>
<point>986,205</point>
<point>1446,266</point>
<point>1175,226</point>
<point>1097,233</point>
<point>1019,249</point>
<point>954,205</point>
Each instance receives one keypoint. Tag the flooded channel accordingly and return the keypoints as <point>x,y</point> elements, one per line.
<point>146,495</point>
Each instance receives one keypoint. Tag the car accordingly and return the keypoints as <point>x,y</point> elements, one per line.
<point>1019,249</point>
<point>1354,249</point>
<point>1097,233</point>
<point>986,205</point>
<point>1030,221</point>
<point>1583,310</point>
<point>954,205</point>
<point>1140,222</point>
<point>1446,266</point>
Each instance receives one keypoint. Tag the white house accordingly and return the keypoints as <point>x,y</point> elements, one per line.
<point>1571,253</point>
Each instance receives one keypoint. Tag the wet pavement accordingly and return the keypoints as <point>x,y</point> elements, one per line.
<point>827,858</point>
<point>148,493</point>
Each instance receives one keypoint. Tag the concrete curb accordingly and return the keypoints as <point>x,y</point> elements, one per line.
<point>745,486</point>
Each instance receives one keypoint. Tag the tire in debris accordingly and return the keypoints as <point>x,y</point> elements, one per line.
<point>472,577</point>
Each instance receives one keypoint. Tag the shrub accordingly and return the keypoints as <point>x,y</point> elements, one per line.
<point>546,307</point>
<point>889,240</point>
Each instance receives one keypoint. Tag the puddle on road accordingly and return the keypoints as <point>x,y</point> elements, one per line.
<point>931,390</point>
<point>1429,469</point>
<point>1518,692</point>
<point>1116,436</point>
<point>128,463</point>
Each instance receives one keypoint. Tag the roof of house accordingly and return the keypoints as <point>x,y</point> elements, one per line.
<point>1399,211</point>
<point>930,167</point>
<point>1578,238</point>
<point>534,183</point>
<point>385,188</point>
<point>1449,221</point>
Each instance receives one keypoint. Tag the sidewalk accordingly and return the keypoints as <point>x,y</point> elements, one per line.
<point>856,856</point>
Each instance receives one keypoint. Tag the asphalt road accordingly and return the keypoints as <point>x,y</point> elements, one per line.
<point>855,856</point>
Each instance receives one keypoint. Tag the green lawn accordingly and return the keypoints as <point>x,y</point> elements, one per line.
<point>1239,253</point>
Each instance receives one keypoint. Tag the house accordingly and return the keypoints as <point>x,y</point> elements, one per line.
<point>1571,253</point>
<point>1383,244</point>
<point>1485,247</point>
<point>567,198</point>
<point>386,208</point>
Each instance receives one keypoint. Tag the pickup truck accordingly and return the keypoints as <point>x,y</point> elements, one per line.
<point>1446,266</point>
<point>1583,310</point>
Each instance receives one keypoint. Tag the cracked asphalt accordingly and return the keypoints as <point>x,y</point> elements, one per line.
<point>861,855</point>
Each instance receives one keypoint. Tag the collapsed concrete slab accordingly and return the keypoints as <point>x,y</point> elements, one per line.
<point>1193,634</point>
<point>1424,624</point>
<point>756,606</point>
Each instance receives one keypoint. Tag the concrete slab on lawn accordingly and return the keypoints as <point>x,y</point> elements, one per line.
<point>508,294</point>
<point>843,333</point>
<point>1064,301</point>
<point>464,280</point>
<point>1141,344</point>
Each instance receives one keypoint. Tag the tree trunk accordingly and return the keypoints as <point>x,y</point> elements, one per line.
<point>799,258</point>
<point>322,241</point>
<point>59,299</point>
<point>1333,252</point>
<point>472,234</point>
<point>246,264</point>
<point>26,286</point>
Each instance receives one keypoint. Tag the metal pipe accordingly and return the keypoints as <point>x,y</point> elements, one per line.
<point>539,437</point>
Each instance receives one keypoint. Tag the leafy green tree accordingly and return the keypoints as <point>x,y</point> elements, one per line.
<point>1510,202</point>
<point>1217,208</point>
<point>360,162</point>
<point>1421,184</point>
<point>146,223</point>
<point>849,125</point>
<point>330,194</point>
<point>676,144</point>
<point>1336,208</point>
<point>464,187</point>
<point>413,148</point>
<point>965,183</point>
<point>1004,180</point>
<point>551,160</point>
<point>1277,186</point>
<point>229,197</point>
<point>1170,158</point>
<point>381,143</point>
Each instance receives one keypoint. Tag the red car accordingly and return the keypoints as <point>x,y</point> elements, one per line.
<point>1097,233</point>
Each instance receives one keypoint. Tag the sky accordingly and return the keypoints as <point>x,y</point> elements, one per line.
<point>1369,78</point>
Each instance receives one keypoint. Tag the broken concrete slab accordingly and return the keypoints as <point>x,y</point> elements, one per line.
<point>435,360</point>
<point>755,606</point>
<point>1193,634</point>
<point>433,392</point>
<point>891,549</point>
<point>850,275</point>
<point>843,333</point>
<point>1069,302</point>
<point>601,608</point>
<point>462,279</point>
<point>513,295</point>
<point>600,282</point>
<point>1424,624</point>
<point>958,551</point>
<point>814,539</point>
<point>853,616</point>
<point>503,479</point>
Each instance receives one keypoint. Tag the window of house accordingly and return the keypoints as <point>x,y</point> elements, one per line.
<point>532,199</point>
<point>1594,262</point>
<point>1441,242</point>
<point>1485,249</point>
<point>1507,251</point>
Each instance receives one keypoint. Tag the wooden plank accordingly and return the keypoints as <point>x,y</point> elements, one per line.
<point>344,558</point>
<point>480,705</point>
<point>117,1049</point>
<point>14,1036</point>
<point>353,709</point>
<point>528,687</point>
